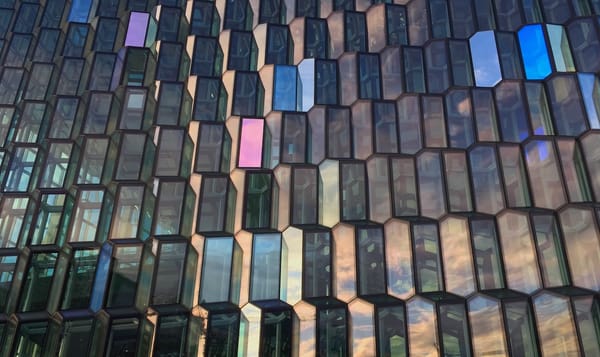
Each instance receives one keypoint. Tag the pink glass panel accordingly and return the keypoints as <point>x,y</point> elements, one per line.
<point>251,143</point>
<point>136,31</point>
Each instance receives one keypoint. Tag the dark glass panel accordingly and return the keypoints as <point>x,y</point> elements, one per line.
<point>353,182</point>
<point>169,274</point>
<point>355,28</point>
<point>339,131</point>
<point>440,24</point>
<point>316,40</point>
<point>248,97</point>
<point>272,11</point>
<point>242,51</point>
<point>276,333</point>
<point>37,282</point>
<point>169,104</point>
<point>210,100</point>
<point>316,271</point>
<point>326,82</point>
<point>459,119</point>
<point>169,24</point>
<point>369,76</point>
<point>169,59</point>
<point>370,261</point>
<point>454,330</point>
<point>258,200</point>
<point>396,20</point>
<point>77,290</point>
<point>170,336</point>
<point>305,196</point>
<point>332,332</point>
<point>222,334</point>
<point>76,39</point>
<point>520,329</point>
<point>427,258</point>
<point>46,45</point>
<point>438,73</point>
<point>205,21</point>
<point>511,111</point>
<point>238,15</point>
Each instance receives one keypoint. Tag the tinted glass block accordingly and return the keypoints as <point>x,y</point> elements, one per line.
<point>169,274</point>
<point>210,100</point>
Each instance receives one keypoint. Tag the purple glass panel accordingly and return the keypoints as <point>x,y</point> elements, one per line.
<point>136,31</point>
<point>251,143</point>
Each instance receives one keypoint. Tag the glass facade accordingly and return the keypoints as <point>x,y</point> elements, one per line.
<point>300,178</point>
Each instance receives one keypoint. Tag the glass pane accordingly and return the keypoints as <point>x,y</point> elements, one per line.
<point>266,259</point>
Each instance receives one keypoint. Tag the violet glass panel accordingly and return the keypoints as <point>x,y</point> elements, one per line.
<point>136,31</point>
<point>251,143</point>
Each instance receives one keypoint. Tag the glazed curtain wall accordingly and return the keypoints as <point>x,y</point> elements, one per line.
<point>300,178</point>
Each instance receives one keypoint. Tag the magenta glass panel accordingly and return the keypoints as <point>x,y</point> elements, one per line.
<point>251,143</point>
<point>136,31</point>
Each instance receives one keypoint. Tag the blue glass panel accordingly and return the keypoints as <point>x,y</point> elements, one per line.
<point>306,73</point>
<point>284,96</point>
<point>80,10</point>
<point>534,52</point>
<point>486,64</point>
<point>99,287</point>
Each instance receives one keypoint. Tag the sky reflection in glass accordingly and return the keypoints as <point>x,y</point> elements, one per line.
<point>485,59</point>
<point>534,52</point>
<point>251,143</point>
